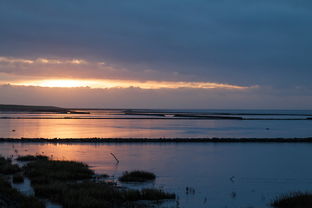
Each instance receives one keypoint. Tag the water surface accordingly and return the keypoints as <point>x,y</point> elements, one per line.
<point>115,124</point>
<point>222,175</point>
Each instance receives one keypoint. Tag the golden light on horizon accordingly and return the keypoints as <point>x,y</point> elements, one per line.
<point>59,65</point>
<point>57,83</point>
<point>105,84</point>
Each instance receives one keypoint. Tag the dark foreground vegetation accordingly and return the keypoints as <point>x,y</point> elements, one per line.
<point>294,200</point>
<point>11,198</point>
<point>18,178</point>
<point>6,166</point>
<point>46,171</point>
<point>71,184</point>
<point>32,157</point>
<point>137,176</point>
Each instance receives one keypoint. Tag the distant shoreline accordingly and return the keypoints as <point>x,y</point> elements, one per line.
<point>38,109</point>
<point>147,114</point>
<point>156,118</point>
<point>156,140</point>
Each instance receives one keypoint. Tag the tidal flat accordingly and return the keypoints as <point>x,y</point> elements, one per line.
<point>70,184</point>
<point>200,174</point>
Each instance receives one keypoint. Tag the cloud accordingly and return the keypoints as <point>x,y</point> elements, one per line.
<point>41,67</point>
<point>15,60</point>
<point>242,42</point>
<point>47,72</point>
<point>43,72</point>
<point>104,84</point>
<point>11,60</point>
<point>154,98</point>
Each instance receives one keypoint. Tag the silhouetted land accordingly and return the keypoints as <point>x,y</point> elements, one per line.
<point>157,140</point>
<point>293,200</point>
<point>150,112</point>
<point>184,115</point>
<point>147,114</point>
<point>38,109</point>
<point>31,158</point>
<point>11,198</point>
<point>137,176</point>
<point>159,118</point>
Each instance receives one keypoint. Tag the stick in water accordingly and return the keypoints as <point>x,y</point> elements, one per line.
<point>115,157</point>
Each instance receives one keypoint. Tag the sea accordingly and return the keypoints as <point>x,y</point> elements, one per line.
<point>140,123</point>
<point>218,175</point>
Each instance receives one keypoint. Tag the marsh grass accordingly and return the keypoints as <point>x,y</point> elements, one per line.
<point>137,176</point>
<point>156,194</point>
<point>18,178</point>
<point>32,158</point>
<point>6,166</point>
<point>293,200</point>
<point>12,198</point>
<point>84,194</point>
<point>67,183</point>
<point>43,171</point>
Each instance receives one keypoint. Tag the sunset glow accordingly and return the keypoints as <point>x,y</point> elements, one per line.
<point>57,83</point>
<point>104,84</point>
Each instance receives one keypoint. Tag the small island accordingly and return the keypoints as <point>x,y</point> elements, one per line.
<point>38,109</point>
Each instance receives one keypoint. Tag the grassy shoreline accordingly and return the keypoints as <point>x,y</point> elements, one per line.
<point>72,184</point>
<point>157,140</point>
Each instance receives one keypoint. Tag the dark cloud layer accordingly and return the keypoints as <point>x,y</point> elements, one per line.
<point>243,42</point>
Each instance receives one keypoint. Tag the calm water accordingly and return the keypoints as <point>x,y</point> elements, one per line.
<point>222,175</point>
<point>113,123</point>
<point>260,172</point>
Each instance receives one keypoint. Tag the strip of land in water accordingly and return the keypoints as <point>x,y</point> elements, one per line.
<point>157,140</point>
<point>147,113</point>
<point>38,109</point>
<point>160,118</point>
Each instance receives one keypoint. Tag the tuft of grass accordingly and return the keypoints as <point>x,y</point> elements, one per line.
<point>156,194</point>
<point>137,176</point>
<point>70,184</point>
<point>81,195</point>
<point>32,157</point>
<point>6,166</point>
<point>63,182</point>
<point>12,198</point>
<point>18,178</point>
<point>104,175</point>
<point>43,171</point>
<point>293,200</point>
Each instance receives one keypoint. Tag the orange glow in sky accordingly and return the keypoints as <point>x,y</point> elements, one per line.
<point>57,83</point>
<point>104,84</point>
<point>94,83</point>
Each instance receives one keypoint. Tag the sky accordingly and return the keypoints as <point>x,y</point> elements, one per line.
<point>234,54</point>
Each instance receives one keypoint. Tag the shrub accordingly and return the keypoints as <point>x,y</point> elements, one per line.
<point>14,198</point>
<point>18,178</point>
<point>32,157</point>
<point>43,171</point>
<point>293,200</point>
<point>137,176</point>
<point>6,166</point>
